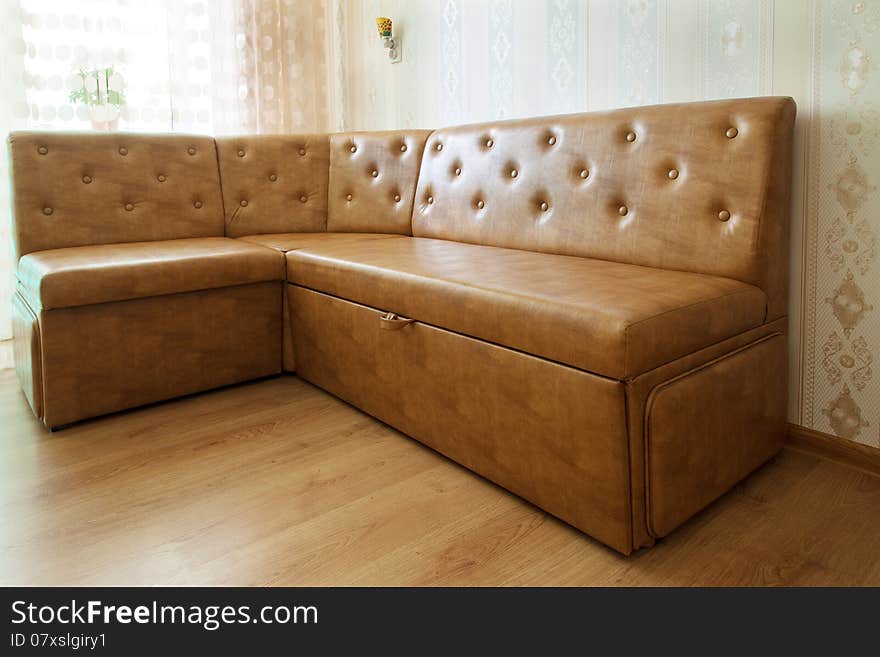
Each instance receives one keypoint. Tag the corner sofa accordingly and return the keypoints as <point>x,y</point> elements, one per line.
<point>589,310</point>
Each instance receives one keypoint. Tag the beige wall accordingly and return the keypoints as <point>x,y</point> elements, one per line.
<point>472,60</point>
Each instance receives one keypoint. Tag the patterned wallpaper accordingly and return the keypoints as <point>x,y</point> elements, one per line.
<point>477,60</point>
<point>842,305</point>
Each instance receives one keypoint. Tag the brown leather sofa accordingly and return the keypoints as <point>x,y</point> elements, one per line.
<point>588,310</point>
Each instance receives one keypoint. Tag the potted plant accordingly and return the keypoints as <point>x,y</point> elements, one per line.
<point>100,90</point>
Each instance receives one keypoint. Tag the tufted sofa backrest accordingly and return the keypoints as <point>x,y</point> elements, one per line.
<point>373,180</point>
<point>700,187</point>
<point>274,183</point>
<point>75,189</point>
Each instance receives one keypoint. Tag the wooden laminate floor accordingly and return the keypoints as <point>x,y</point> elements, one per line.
<point>278,483</point>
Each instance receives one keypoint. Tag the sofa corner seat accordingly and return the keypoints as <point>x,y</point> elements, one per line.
<point>128,292</point>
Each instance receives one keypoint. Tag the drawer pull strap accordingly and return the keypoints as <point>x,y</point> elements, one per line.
<point>393,322</point>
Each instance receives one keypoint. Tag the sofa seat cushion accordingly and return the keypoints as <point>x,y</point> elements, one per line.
<point>285,242</point>
<point>83,275</point>
<point>612,319</point>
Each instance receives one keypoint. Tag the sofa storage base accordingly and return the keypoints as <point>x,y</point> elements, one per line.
<point>553,434</point>
<point>549,433</point>
<point>107,357</point>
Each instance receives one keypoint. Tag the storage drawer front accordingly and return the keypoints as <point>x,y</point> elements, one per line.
<point>550,433</point>
<point>709,428</point>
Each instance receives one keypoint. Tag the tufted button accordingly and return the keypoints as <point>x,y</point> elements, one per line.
<point>191,150</point>
<point>584,174</point>
<point>243,203</point>
<point>87,179</point>
<point>197,205</point>
<point>481,204</point>
<point>514,173</point>
<point>302,151</point>
<point>489,143</point>
<point>161,177</point>
<point>303,198</point>
<point>123,151</point>
<point>457,171</point>
<point>403,148</point>
<point>397,198</point>
<point>544,206</point>
<point>622,210</point>
<point>630,136</point>
<point>47,211</point>
<point>731,133</point>
<point>348,197</point>
<point>430,199</point>
<point>374,173</point>
<point>353,148</point>
<point>273,177</point>
<point>438,146</point>
<point>240,152</point>
<point>129,207</point>
<point>42,150</point>
<point>551,140</point>
<point>672,174</point>
<point>724,215</point>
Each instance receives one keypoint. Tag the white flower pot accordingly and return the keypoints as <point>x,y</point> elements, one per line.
<point>104,117</point>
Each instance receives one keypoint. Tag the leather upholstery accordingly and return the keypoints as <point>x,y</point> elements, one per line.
<point>274,183</point>
<point>591,312</point>
<point>602,185</point>
<point>741,395</point>
<point>110,356</point>
<point>73,189</point>
<point>639,389</point>
<point>549,433</point>
<point>84,275</point>
<point>372,180</point>
<point>610,318</point>
<point>292,241</point>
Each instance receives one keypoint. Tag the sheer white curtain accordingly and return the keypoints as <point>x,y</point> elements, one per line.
<point>206,66</point>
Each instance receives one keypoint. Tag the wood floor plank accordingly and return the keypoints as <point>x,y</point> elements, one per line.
<point>276,482</point>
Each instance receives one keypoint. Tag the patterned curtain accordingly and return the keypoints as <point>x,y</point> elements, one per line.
<point>205,66</point>
<point>279,88</point>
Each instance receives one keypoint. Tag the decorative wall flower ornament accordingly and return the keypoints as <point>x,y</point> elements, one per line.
<point>855,246</point>
<point>858,15</point>
<point>844,415</point>
<point>637,74</point>
<point>852,187</point>
<point>856,131</point>
<point>866,251</point>
<point>500,64</point>
<point>562,75</point>
<point>848,304</point>
<point>840,360</point>
<point>832,244</point>
<point>855,68</point>
<point>862,357</point>
<point>732,37</point>
<point>637,10</point>
<point>563,64</point>
<point>830,360</point>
